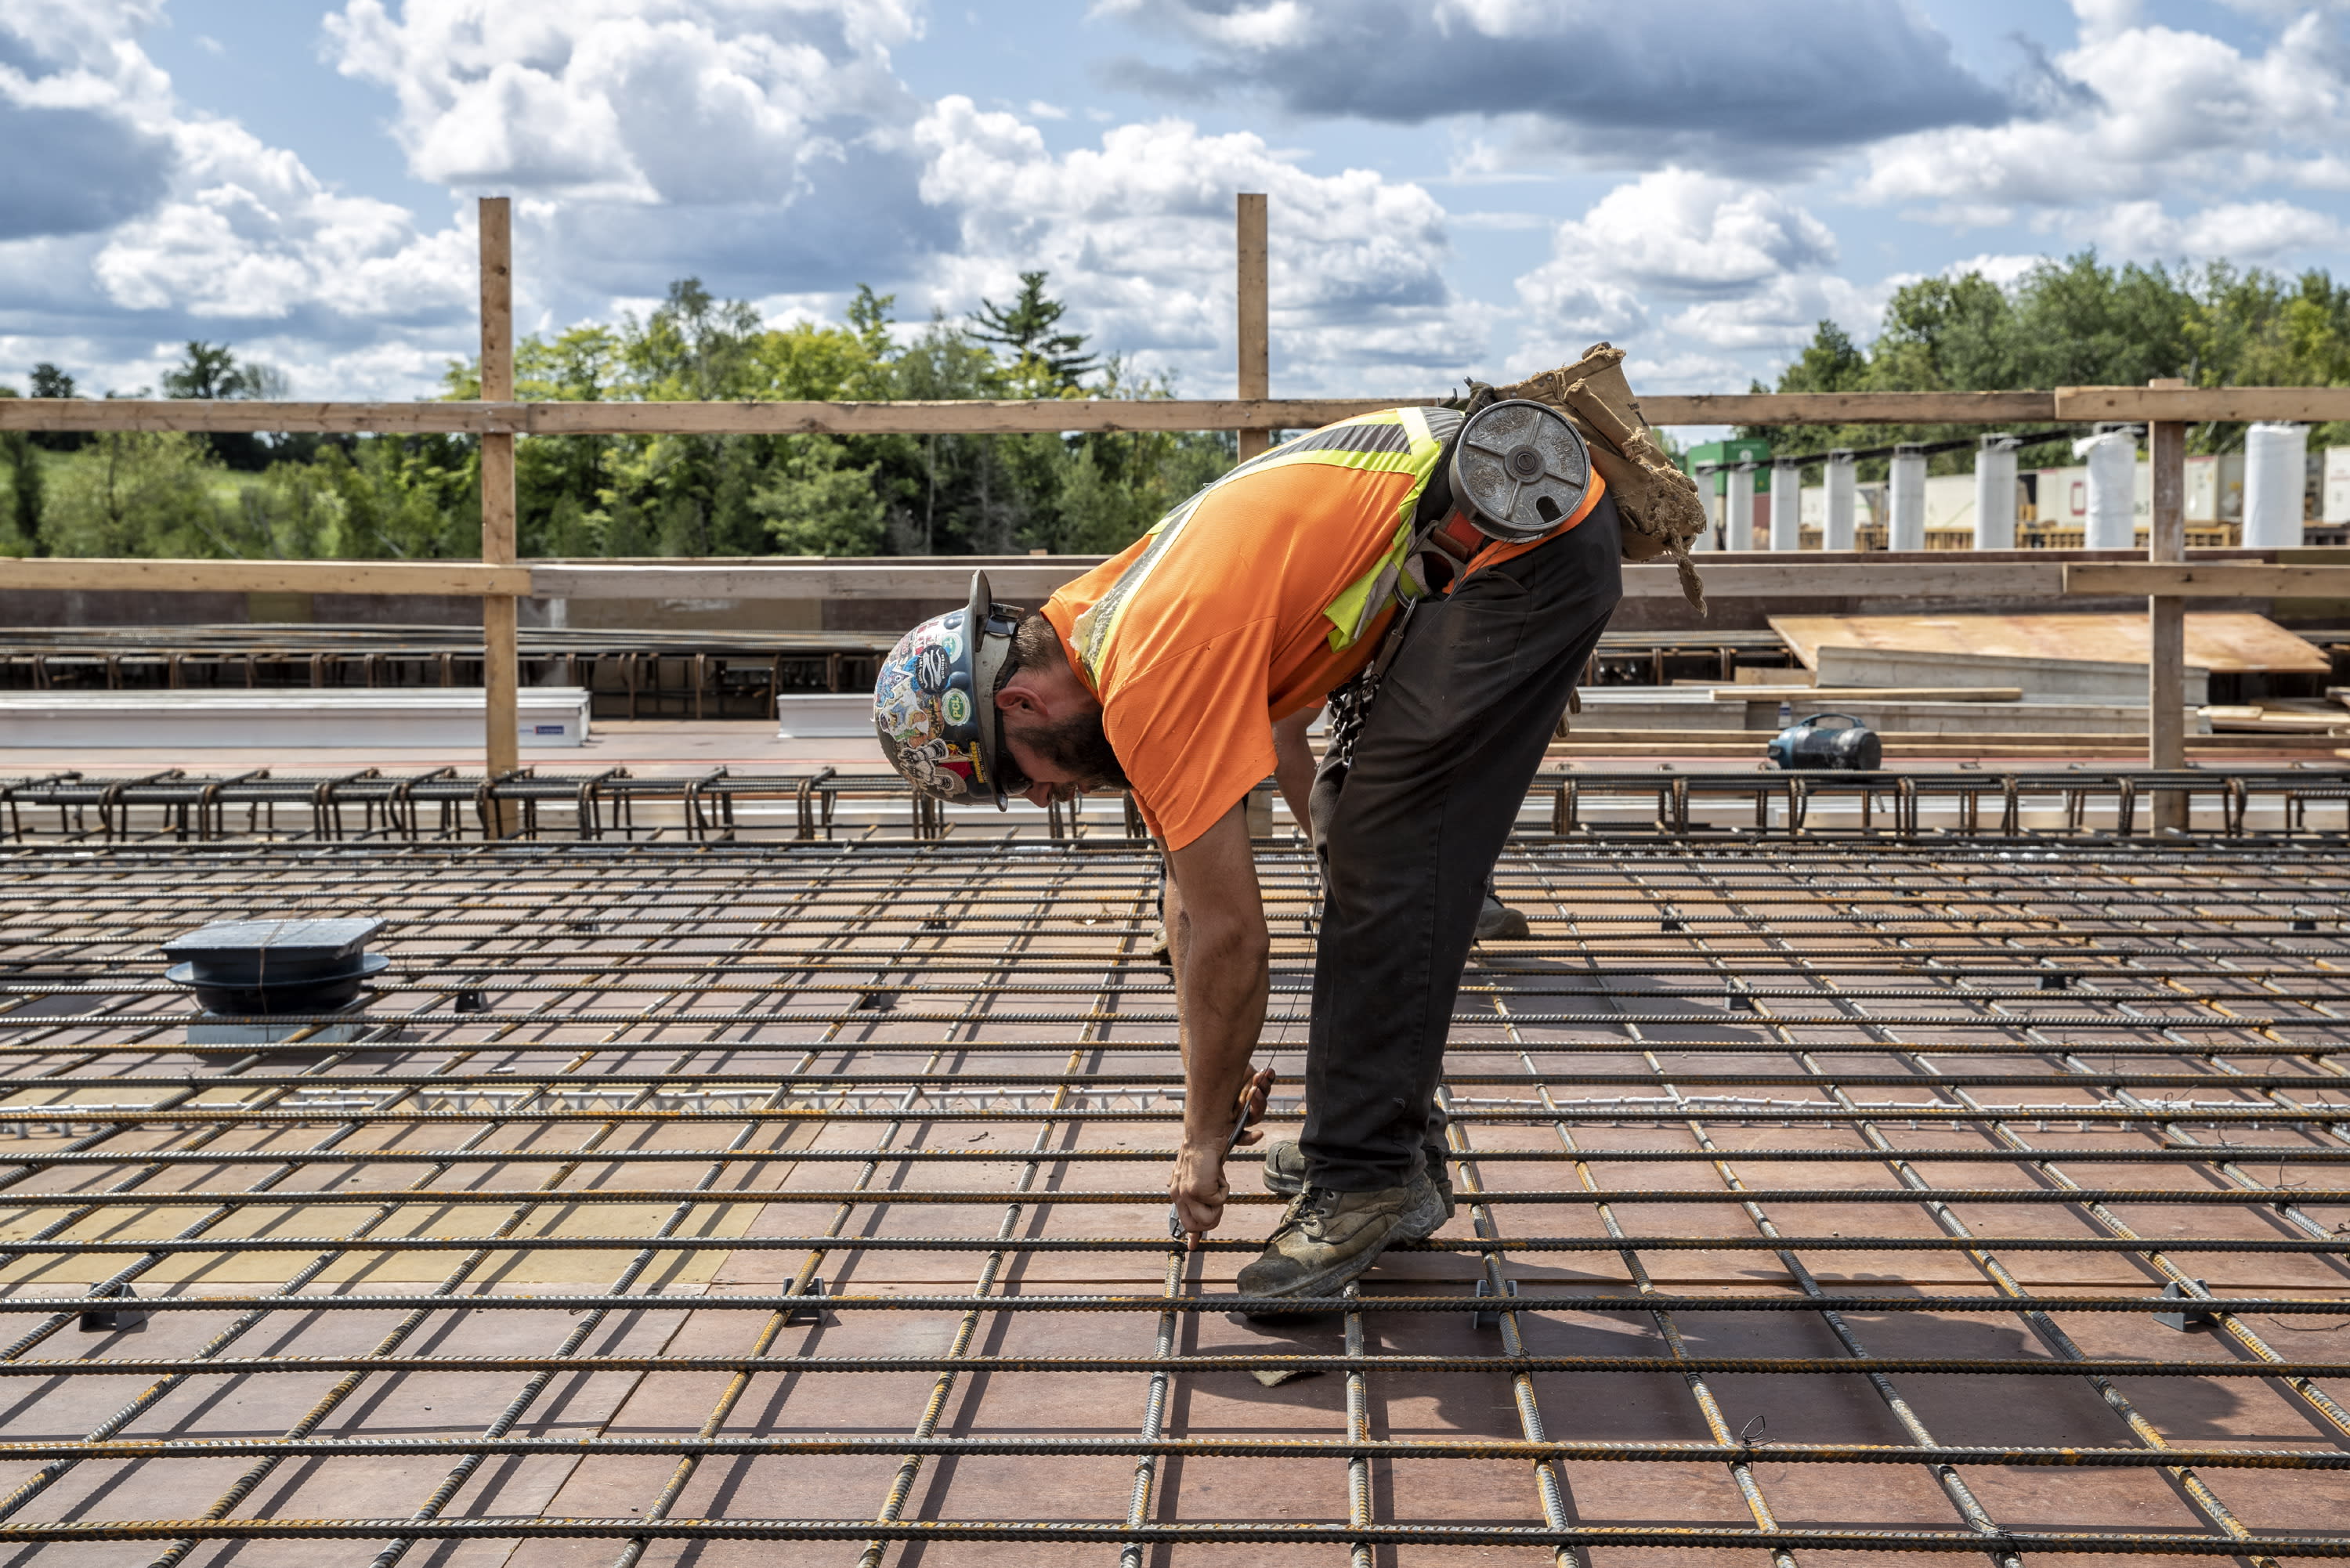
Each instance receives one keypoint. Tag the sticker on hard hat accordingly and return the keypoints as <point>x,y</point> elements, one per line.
<point>955,704</point>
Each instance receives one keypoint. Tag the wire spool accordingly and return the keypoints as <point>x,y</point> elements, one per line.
<point>1520,469</point>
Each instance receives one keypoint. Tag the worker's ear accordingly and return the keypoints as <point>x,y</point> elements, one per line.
<point>1014,696</point>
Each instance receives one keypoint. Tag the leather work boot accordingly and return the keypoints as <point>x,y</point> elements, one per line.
<point>1497,923</point>
<point>1325,1238</point>
<point>1284,1172</point>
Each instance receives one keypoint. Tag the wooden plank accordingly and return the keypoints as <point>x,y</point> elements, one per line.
<point>1850,408</point>
<point>1954,576</point>
<point>2207,580</point>
<point>2311,405</point>
<point>910,579</point>
<point>213,414</point>
<point>462,578</point>
<point>501,632</point>
<point>1253,295</point>
<point>2223,642</point>
<point>1011,417</point>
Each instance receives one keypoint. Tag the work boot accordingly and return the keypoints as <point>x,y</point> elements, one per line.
<point>1326,1239</point>
<point>1284,1172</point>
<point>1497,923</point>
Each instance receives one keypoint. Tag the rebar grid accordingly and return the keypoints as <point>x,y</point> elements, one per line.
<point>722,1201</point>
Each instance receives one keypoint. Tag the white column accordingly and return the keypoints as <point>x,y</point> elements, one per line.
<point>1995,494</point>
<point>1843,499</point>
<point>2111,456</point>
<point>1904,491</point>
<point>2276,459</point>
<point>1738,509</point>
<point>1705,476</point>
<point>1786,505</point>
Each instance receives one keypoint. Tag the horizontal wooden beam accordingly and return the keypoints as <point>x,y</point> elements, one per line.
<point>2229,405</point>
<point>925,577</point>
<point>1029,580</point>
<point>1851,409</point>
<point>460,579</point>
<point>2214,580</point>
<point>1953,576</point>
<point>1035,416</point>
<point>1105,415</point>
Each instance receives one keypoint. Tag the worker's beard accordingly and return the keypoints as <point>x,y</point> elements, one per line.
<point>1076,745</point>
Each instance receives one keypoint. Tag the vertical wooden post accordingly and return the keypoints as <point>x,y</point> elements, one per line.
<point>1255,362</point>
<point>2166,669</point>
<point>501,650</point>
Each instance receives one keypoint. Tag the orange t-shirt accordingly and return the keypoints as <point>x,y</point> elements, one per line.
<point>1227,633</point>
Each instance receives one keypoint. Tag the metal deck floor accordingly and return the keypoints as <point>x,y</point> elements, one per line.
<point>1838,1185</point>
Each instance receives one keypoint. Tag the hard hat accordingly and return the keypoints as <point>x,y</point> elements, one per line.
<point>934,704</point>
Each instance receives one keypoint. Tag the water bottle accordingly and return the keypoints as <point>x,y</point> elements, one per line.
<point>1786,712</point>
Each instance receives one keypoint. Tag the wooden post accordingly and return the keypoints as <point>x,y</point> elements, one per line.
<point>2166,669</point>
<point>501,650</point>
<point>1256,361</point>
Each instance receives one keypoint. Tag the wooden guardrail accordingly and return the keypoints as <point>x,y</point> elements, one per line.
<point>1112,415</point>
<point>498,420</point>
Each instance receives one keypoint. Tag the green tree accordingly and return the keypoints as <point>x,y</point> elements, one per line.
<point>813,505</point>
<point>1026,329</point>
<point>23,462</point>
<point>212,372</point>
<point>138,494</point>
<point>48,381</point>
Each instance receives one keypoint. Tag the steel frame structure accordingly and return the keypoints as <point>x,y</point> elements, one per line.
<point>799,1201</point>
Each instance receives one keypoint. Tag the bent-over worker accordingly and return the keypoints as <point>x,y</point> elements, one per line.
<point>1169,669</point>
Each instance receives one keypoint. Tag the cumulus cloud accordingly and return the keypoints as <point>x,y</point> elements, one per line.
<point>688,101</point>
<point>1705,81</point>
<point>2155,111</point>
<point>1138,231</point>
<point>772,135</point>
<point>81,120</point>
<point>2249,232</point>
<point>1747,267</point>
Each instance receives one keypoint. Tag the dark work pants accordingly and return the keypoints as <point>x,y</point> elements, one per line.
<point>1410,831</point>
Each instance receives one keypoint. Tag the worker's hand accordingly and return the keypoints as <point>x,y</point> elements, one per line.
<point>1197,1187</point>
<point>1250,1109</point>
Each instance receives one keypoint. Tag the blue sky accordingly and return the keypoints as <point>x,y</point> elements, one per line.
<point>1458,186</point>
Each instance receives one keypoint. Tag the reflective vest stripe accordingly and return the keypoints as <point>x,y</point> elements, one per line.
<point>1393,441</point>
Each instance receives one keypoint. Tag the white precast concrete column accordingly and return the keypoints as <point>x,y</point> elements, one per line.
<point>1786,505</point>
<point>1738,508</point>
<point>2276,461</point>
<point>2112,457</point>
<point>1705,475</point>
<point>1905,494</point>
<point>1995,494</point>
<point>1844,497</point>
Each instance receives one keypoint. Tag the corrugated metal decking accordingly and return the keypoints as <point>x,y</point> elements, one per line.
<point>1833,1192</point>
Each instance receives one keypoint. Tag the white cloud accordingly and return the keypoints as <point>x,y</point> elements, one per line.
<point>1684,232</point>
<point>2142,113</point>
<point>687,101</point>
<point>251,234</point>
<point>1784,313</point>
<point>1138,232</point>
<point>2247,232</point>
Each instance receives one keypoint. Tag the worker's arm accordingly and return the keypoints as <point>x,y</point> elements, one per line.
<point>1215,920</point>
<point>1292,764</point>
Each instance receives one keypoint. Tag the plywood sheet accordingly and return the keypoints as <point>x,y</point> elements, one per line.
<point>2223,643</point>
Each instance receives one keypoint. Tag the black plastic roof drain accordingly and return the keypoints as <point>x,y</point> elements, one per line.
<point>242,967</point>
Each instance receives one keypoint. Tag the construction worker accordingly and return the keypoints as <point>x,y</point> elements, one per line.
<point>1185,669</point>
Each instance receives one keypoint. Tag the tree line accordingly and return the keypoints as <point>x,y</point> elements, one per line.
<point>417,497</point>
<point>2078,322</point>
<point>2075,322</point>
